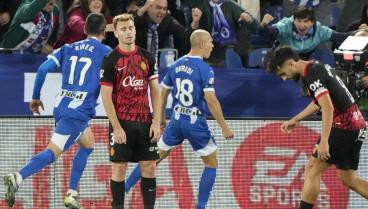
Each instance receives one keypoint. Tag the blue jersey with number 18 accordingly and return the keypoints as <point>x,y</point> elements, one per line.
<point>80,64</point>
<point>189,77</point>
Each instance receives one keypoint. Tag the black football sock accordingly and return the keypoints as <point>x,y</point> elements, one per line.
<point>305,205</point>
<point>118,192</point>
<point>148,189</point>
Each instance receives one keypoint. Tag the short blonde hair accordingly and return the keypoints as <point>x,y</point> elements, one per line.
<point>123,18</point>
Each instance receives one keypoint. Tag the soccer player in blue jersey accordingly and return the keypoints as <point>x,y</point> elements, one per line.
<point>191,82</point>
<point>75,105</point>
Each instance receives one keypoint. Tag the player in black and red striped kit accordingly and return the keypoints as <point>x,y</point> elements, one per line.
<point>125,75</point>
<point>343,126</point>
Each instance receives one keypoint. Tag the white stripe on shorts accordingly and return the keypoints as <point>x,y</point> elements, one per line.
<point>60,140</point>
<point>208,149</point>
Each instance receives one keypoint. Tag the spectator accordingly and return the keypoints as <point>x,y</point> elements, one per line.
<point>235,16</point>
<point>7,11</point>
<point>362,23</point>
<point>350,11</point>
<point>153,24</point>
<point>321,8</point>
<point>77,14</point>
<point>301,31</point>
<point>34,27</point>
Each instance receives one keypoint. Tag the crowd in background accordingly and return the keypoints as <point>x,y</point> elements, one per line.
<point>41,26</point>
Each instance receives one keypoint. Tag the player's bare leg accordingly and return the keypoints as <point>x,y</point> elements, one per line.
<point>163,154</point>
<point>313,172</point>
<point>353,182</point>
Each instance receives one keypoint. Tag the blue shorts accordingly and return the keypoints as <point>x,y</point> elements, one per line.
<point>67,132</point>
<point>198,134</point>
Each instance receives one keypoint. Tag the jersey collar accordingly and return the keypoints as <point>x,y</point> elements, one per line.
<point>127,53</point>
<point>306,66</point>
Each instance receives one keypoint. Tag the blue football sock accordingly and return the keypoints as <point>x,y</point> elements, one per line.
<point>37,163</point>
<point>205,186</point>
<point>79,163</point>
<point>133,178</point>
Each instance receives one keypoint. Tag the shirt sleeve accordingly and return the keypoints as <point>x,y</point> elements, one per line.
<point>57,56</point>
<point>153,72</point>
<point>107,72</point>
<point>167,81</point>
<point>42,71</point>
<point>208,78</point>
<point>316,82</point>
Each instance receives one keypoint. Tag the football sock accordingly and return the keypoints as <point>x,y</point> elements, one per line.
<point>305,205</point>
<point>37,162</point>
<point>79,163</point>
<point>148,189</point>
<point>133,178</point>
<point>118,192</point>
<point>205,186</point>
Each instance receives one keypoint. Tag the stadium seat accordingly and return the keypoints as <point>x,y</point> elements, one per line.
<point>335,11</point>
<point>233,59</point>
<point>256,57</point>
<point>275,12</point>
<point>325,56</point>
<point>167,57</point>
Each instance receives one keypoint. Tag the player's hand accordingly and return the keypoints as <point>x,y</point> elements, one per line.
<point>228,133</point>
<point>322,149</point>
<point>119,136</point>
<point>35,104</point>
<point>245,17</point>
<point>266,19</point>
<point>288,126</point>
<point>155,132</point>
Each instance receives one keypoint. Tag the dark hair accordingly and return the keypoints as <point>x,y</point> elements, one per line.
<point>84,6</point>
<point>95,24</point>
<point>303,12</point>
<point>278,57</point>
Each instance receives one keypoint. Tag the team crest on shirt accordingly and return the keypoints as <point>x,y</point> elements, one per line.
<point>212,80</point>
<point>101,73</point>
<point>143,65</point>
<point>112,151</point>
<point>186,59</point>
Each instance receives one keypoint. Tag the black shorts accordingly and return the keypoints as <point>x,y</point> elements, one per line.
<point>138,146</point>
<point>344,148</point>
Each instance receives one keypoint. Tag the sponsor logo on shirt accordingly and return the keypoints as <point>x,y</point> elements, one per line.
<point>131,81</point>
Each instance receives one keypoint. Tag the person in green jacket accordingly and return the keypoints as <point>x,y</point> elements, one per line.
<point>34,27</point>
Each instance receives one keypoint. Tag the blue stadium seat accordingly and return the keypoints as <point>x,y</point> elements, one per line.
<point>256,57</point>
<point>325,56</point>
<point>275,12</point>
<point>167,56</point>
<point>233,59</point>
<point>335,11</point>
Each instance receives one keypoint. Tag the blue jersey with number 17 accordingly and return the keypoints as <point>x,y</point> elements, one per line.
<point>189,77</point>
<point>80,64</point>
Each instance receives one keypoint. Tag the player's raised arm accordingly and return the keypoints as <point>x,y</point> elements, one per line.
<point>215,108</point>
